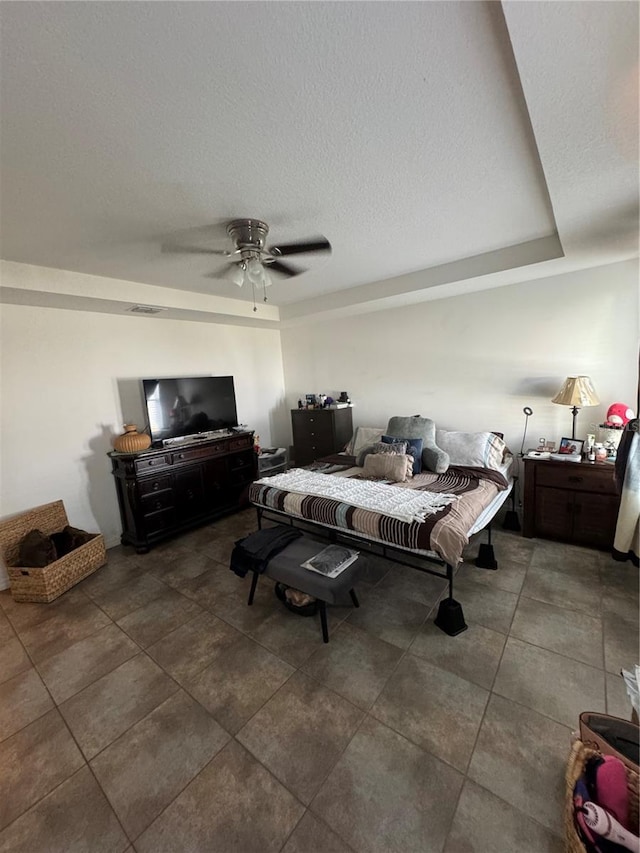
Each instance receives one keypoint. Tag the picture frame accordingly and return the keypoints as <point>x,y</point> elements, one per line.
<point>571,446</point>
<point>311,400</point>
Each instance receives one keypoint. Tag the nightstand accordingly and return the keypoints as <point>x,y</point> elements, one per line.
<point>573,502</point>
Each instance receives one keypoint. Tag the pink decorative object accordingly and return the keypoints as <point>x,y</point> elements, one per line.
<point>618,415</point>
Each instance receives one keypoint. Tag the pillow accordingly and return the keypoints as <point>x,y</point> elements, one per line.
<point>396,467</point>
<point>361,438</point>
<point>433,458</point>
<point>380,447</point>
<point>36,550</point>
<point>477,449</point>
<point>414,448</point>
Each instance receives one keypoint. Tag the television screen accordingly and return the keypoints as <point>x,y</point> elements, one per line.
<point>190,405</point>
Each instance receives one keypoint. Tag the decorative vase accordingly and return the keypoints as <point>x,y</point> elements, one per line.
<point>131,441</point>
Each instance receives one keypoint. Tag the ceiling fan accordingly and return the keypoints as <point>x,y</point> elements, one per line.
<point>251,262</point>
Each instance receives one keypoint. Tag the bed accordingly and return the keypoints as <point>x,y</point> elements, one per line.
<point>437,540</point>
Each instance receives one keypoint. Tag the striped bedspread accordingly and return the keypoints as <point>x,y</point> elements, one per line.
<point>444,532</point>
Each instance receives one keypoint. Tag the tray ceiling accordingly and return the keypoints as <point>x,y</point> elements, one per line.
<point>410,134</point>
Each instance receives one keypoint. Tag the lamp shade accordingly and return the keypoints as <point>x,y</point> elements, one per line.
<point>577,391</point>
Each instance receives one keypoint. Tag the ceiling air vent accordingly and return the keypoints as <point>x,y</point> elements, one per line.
<point>145,309</point>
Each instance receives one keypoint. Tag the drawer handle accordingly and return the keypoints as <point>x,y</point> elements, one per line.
<point>575,479</point>
<point>158,504</point>
<point>156,486</point>
<point>180,455</point>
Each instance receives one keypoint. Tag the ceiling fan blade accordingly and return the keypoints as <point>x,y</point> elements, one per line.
<point>284,269</point>
<point>194,250</point>
<point>222,273</point>
<point>319,245</point>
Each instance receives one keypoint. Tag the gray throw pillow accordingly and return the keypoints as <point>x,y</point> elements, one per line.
<point>398,447</point>
<point>433,458</point>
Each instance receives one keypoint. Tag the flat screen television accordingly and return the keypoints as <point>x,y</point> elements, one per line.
<point>189,405</point>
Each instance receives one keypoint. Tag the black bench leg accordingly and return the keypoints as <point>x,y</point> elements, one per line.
<point>323,621</point>
<point>354,598</point>
<point>254,584</point>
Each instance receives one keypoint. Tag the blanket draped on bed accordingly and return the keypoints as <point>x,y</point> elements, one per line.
<point>403,504</point>
<point>443,533</point>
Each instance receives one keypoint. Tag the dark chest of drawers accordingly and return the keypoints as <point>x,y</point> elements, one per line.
<point>570,501</point>
<point>319,432</point>
<point>167,491</point>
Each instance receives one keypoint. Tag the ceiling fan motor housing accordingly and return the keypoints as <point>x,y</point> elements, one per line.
<point>248,234</point>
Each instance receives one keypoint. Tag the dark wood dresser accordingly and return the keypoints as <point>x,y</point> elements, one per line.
<point>574,502</point>
<point>167,491</point>
<point>319,432</point>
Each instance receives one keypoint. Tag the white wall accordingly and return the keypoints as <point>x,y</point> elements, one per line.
<point>64,374</point>
<point>472,362</point>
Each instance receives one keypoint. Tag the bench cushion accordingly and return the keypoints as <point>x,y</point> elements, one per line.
<point>285,567</point>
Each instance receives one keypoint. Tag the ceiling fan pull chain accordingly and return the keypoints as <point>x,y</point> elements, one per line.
<point>264,288</point>
<point>253,290</point>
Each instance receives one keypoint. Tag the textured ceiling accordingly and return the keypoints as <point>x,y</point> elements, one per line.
<point>410,134</point>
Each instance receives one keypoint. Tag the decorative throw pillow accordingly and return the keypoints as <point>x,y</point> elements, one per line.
<point>36,550</point>
<point>380,447</point>
<point>395,446</point>
<point>476,449</point>
<point>414,448</point>
<point>396,467</point>
<point>362,437</point>
<point>433,458</point>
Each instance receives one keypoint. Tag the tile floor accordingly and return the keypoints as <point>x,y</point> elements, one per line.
<point>149,709</point>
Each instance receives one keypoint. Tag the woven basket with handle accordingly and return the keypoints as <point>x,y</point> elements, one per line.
<point>580,754</point>
<point>49,582</point>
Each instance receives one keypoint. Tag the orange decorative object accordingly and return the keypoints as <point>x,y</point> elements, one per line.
<point>132,441</point>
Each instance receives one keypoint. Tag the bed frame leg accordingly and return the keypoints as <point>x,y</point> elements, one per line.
<point>486,558</point>
<point>259,514</point>
<point>450,618</point>
<point>511,520</point>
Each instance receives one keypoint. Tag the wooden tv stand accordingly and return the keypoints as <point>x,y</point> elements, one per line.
<point>173,489</point>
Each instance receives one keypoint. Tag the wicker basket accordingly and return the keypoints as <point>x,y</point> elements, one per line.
<point>45,584</point>
<point>580,753</point>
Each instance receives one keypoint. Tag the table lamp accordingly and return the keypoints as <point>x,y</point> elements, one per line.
<point>577,391</point>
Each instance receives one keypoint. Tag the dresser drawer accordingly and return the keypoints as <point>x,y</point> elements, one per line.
<point>155,502</point>
<point>197,453</point>
<point>578,477</point>
<point>155,484</point>
<point>151,463</point>
<point>158,522</point>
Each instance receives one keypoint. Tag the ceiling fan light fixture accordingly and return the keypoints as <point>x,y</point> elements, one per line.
<point>255,270</point>
<point>237,274</point>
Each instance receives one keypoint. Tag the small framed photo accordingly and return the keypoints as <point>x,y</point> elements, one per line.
<point>311,400</point>
<point>570,446</point>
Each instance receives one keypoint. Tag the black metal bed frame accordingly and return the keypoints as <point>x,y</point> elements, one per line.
<point>450,618</point>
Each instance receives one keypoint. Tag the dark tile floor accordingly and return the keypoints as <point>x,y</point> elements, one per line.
<point>149,709</point>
